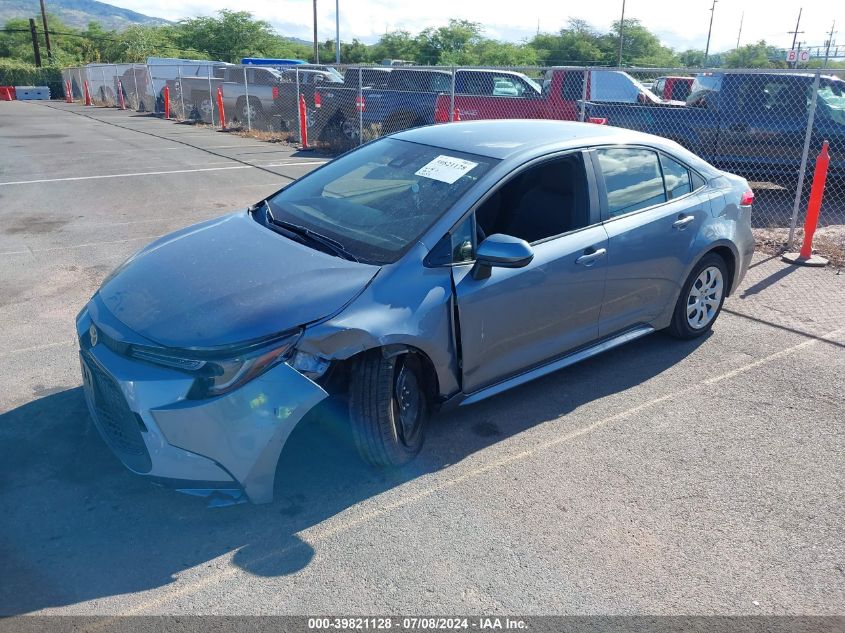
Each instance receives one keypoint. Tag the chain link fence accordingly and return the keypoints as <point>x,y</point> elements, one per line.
<point>767,125</point>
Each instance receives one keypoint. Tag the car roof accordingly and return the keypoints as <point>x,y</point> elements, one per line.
<point>506,138</point>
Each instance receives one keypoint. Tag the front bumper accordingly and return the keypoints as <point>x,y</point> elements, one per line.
<point>230,442</point>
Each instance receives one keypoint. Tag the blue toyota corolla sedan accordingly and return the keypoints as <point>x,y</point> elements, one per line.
<point>432,268</point>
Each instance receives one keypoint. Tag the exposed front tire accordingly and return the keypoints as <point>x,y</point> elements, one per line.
<point>701,298</point>
<point>388,408</point>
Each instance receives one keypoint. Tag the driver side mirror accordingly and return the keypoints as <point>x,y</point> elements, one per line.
<point>501,251</point>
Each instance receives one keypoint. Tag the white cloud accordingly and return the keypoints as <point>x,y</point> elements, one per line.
<point>679,24</point>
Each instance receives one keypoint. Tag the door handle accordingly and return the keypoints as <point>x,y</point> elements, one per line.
<point>682,221</point>
<point>588,259</point>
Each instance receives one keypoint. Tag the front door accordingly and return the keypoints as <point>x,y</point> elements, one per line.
<point>517,319</point>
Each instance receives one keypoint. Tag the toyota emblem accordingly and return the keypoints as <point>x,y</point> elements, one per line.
<point>92,333</point>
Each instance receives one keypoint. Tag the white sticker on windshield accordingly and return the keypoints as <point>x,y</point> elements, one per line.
<point>446,169</point>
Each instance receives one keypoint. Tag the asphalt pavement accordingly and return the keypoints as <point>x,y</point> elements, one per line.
<point>663,477</point>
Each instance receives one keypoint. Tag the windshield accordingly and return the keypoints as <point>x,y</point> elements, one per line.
<point>377,201</point>
<point>832,100</point>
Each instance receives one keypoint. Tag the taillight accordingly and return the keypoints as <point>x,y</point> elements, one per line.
<point>441,111</point>
<point>318,99</point>
<point>747,199</point>
<point>359,103</point>
<point>597,120</point>
<point>275,92</point>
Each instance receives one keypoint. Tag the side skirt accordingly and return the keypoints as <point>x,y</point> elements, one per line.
<point>560,363</point>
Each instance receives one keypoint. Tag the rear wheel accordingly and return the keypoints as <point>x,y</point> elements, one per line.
<point>701,298</point>
<point>388,408</point>
<point>250,111</point>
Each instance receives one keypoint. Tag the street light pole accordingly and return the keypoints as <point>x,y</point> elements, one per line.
<point>46,31</point>
<point>316,45</point>
<point>621,35</point>
<point>709,32</point>
<point>829,43</point>
<point>337,30</point>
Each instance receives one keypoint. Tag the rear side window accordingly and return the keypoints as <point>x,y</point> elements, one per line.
<point>573,85</point>
<point>474,83</point>
<point>677,178</point>
<point>632,178</point>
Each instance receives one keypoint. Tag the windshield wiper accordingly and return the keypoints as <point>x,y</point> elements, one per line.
<point>308,234</point>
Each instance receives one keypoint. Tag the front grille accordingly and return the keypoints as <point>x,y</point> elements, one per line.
<point>117,423</point>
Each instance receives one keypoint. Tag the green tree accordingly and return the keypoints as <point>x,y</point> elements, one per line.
<point>449,44</point>
<point>578,43</point>
<point>640,47</point>
<point>229,36</point>
<point>759,55</point>
<point>395,45</point>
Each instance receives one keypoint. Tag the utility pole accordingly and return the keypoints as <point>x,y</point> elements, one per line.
<point>738,35</point>
<point>795,33</point>
<point>46,31</point>
<point>829,43</point>
<point>316,45</point>
<point>621,35</point>
<point>709,32</point>
<point>337,30</point>
<point>35,48</point>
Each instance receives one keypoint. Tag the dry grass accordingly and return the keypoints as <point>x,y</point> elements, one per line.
<point>829,242</point>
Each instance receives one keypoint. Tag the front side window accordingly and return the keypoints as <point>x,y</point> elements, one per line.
<point>676,177</point>
<point>377,201</point>
<point>541,202</point>
<point>632,178</point>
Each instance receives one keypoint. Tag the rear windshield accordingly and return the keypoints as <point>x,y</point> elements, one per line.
<point>378,201</point>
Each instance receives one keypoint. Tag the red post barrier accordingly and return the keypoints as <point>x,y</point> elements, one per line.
<point>121,99</point>
<point>457,116</point>
<point>68,92</point>
<point>221,108</point>
<point>805,257</point>
<point>303,123</point>
<point>166,96</point>
<point>87,93</point>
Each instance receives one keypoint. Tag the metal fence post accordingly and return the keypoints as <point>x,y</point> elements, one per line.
<point>582,111</point>
<point>137,95</point>
<point>103,75</point>
<point>298,109</point>
<point>452,100</point>
<point>152,87</point>
<point>808,138</point>
<point>210,95</point>
<point>181,92</point>
<point>247,106</point>
<point>359,101</point>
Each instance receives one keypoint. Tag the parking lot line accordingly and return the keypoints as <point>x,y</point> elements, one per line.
<point>32,251</point>
<point>330,528</point>
<point>129,175</point>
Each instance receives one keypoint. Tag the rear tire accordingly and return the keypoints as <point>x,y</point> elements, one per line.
<point>701,298</point>
<point>388,408</point>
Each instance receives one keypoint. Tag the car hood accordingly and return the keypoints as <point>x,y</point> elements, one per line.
<point>228,281</point>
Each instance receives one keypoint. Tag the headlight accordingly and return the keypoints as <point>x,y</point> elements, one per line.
<point>223,375</point>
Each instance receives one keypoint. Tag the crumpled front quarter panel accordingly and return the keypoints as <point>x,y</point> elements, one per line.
<point>244,431</point>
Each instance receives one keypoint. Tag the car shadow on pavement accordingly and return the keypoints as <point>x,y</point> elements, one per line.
<point>77,526</point>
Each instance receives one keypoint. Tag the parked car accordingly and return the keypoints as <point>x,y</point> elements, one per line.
<point>672,88</point>
<point>429,269</point>
<point>560,97</point>
<point>307,83</point>
<point>754,123</point>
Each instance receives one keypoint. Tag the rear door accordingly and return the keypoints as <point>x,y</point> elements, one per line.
<point>652,208</point>
<point>491,95</point>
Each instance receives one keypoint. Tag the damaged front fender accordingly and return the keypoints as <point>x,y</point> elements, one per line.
<point>244,431</point>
